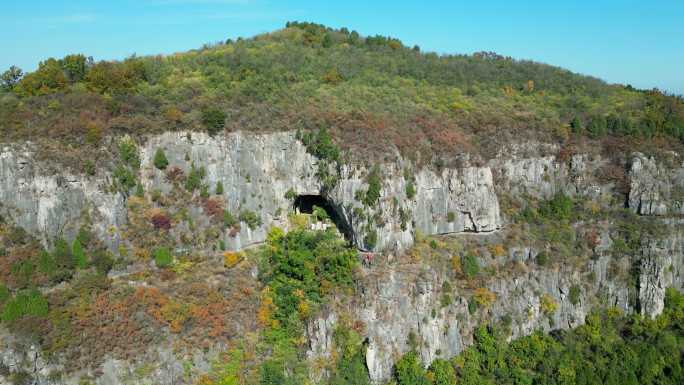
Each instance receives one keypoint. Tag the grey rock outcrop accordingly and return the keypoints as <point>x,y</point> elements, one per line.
<point>397,300</point>
<point>654,188</point>
<point>542,177</point>
<point>400,301</point>
<point>49,206</point>
<point>661,266</point>
<point>256,171</point>
<point>159,365</point>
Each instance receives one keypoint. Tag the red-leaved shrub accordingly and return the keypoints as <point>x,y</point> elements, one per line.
<point>174,174</point>
<point>161,221</point>
<point>213,207</point>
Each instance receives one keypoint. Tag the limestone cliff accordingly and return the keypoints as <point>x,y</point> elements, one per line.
<point>257,172</point>
<point>396,297</point>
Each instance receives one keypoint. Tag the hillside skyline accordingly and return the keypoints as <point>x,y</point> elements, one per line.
<point>619,42</point>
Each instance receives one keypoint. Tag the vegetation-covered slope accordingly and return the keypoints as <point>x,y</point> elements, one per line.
<point>166,279</point>
<point>372,92</point>
<point>609,349</point>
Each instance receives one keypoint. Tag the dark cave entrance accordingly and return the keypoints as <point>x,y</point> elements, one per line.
<point>304,204</point>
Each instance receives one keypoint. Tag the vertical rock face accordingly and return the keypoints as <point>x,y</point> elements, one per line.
<point>658,190</point>
<point>402,301</point>
<point>256,171</point>
<point>534,176</point>
<point>467,193</point>
<point>542,177</point>
<point>453,201</point>
<point>655,189</point>
<point>397,301</point>
<point>394,301</point>
<point>661,266</point>
<point>54,205</point>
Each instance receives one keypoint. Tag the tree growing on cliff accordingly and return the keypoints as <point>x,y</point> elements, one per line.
<point>351,363</point>
<point>77,252</point>
<point>410,189</point>
<point>442,372</point>
<point>409,370</point>
<point>470,266</point>
<point>162,257</point>
<point>560,207</point>
<point>62,255</point>
<point>576,125</point>
<point>374,187</point>
<point>214,120</point>
<point>26,303</point>
<point>160,160</point>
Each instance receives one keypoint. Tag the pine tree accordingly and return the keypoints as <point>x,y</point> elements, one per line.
<point>160,160</point>
<point>576,125</point>
<point>78,254</point>
<point>597,127</point>
<point>62,255</point>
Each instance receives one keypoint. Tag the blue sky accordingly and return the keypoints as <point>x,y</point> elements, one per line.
<point>624,41</point>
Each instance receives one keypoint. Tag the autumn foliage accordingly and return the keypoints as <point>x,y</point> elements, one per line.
<point>161,221</point>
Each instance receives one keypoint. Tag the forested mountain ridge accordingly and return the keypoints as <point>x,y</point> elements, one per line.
<point>371,92</point>
<point>311,206</point>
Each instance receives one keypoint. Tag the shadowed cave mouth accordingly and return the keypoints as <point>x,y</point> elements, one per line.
<point>305,204</point>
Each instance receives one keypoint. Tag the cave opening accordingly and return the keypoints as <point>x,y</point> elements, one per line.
<point>305,204</point>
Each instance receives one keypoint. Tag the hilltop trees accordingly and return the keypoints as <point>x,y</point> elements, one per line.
<point>75,67</point>
<point>54,75</point>
<point>48,78</point>
<point>116,77</point>
<point>10,77</point>
<point>373,94</point>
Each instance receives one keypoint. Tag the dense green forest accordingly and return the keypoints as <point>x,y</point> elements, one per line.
<point>372,92</point>
<point>609,349</point>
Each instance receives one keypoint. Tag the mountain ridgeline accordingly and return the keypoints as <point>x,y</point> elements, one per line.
<point>312,206</point>
<point>373,93</point>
